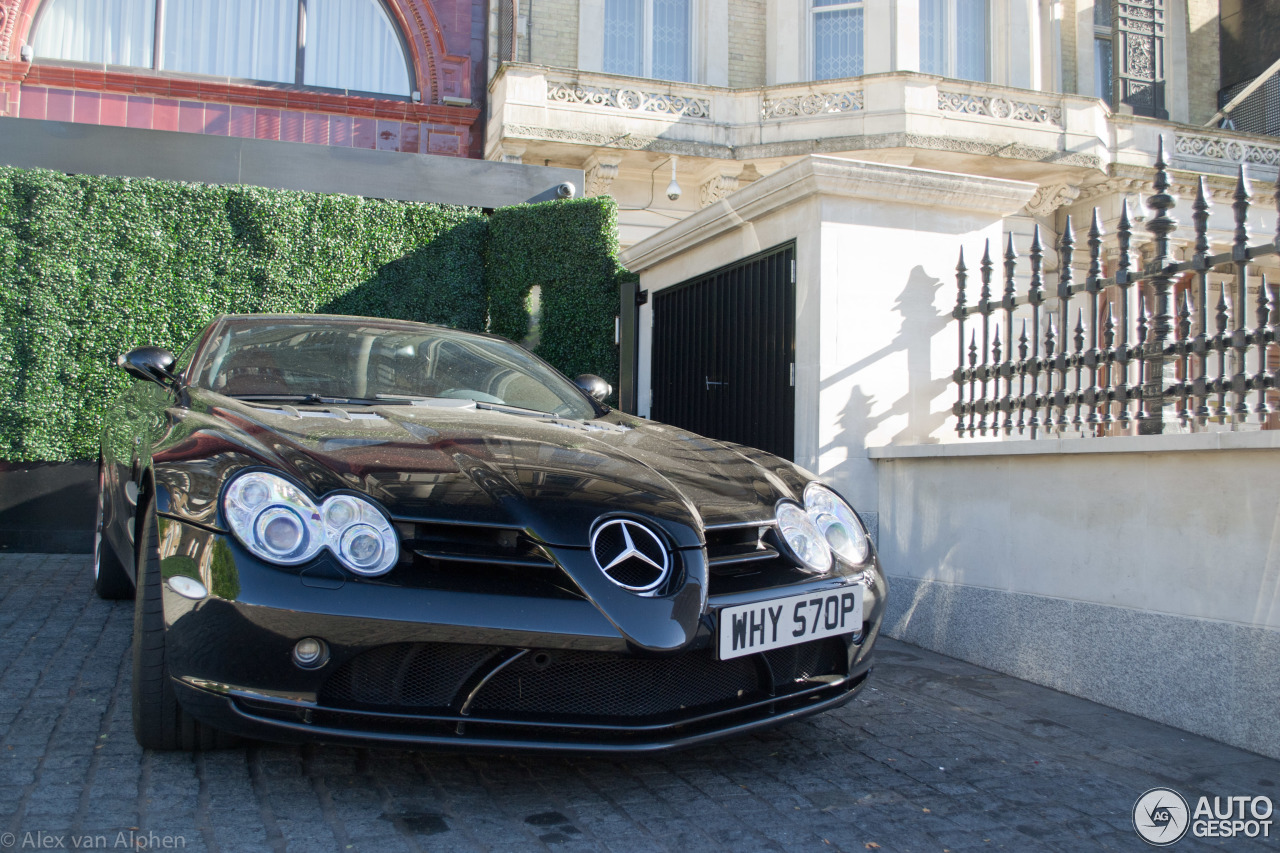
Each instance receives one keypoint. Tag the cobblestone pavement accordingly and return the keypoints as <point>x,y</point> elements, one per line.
<point>935,755</point>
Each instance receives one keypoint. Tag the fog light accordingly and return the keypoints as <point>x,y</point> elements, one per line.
<point>310,653</point>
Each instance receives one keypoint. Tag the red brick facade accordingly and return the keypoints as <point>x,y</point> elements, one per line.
<point>446,44</point>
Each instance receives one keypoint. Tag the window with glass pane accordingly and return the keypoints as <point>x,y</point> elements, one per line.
<point>953,38</point>
<point>837,39</point>
<point>648,38</point>
<point>1102,47</point>
<point>111,32</point>
<point>624,37</point>
<point>253,39</point>
<point>348,44</point>
<point>352,44</point>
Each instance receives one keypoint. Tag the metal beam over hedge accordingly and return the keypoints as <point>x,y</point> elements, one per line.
<point>128,152</point>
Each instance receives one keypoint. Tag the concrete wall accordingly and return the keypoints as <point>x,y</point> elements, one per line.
<point>1142,572</point>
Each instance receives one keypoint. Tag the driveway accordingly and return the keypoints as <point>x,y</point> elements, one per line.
<point>935,755</point>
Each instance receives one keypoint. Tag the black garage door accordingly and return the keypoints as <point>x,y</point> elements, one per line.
<point>724,353</point>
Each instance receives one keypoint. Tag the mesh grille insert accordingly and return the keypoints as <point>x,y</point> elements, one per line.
<point>577,683</point>
<point>407,675</point>
<point>808,660</point>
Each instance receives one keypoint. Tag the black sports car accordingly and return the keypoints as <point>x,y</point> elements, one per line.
<point>349,529</point>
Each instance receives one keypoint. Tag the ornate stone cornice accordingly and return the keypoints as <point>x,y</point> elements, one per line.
<point>629,100</point>
<point>1225,149</point>
<point>812,104</point>
<point>999,108</point>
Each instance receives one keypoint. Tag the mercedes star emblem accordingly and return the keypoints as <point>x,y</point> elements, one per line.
<point>631,555</point>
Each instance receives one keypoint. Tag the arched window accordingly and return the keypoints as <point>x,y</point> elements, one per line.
<point>344,44</point>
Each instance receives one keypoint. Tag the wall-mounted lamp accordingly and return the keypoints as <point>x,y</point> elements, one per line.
<point>673,188</point>
<point>28,53</point>
<point>416,96</point>
<point>451,101</point>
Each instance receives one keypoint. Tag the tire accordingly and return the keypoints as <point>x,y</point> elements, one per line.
<point>159,722</point>
<point>110,580</point>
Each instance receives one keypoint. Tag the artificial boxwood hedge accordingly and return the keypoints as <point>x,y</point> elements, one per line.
<point>93,266</point>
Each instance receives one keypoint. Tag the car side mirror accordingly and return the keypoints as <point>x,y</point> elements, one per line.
<point>593,386</point>
<point>150,363</point>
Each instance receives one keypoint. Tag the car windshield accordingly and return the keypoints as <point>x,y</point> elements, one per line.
<point>361,363</point>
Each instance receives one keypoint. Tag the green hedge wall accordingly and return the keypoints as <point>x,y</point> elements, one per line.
<point>575,266</point>
<point>91,267</point>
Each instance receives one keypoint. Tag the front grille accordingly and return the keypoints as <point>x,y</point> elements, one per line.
<point>573,683</point>
<point>405,675</point>
<point>808,661</point>
<point>434,677</point>
<point>467,543</point>
<point>734,550</point>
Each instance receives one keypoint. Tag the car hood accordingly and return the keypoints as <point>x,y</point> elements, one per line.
<point>551,477</point>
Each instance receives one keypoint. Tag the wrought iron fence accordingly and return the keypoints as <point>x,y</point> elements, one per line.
<point>1106,375</point>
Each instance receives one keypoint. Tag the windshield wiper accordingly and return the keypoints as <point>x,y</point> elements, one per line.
<point>319,400</point>
<point>514,410</point>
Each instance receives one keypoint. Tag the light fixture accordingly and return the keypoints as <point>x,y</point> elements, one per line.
<point>673,188</point>
<point>28,53</point>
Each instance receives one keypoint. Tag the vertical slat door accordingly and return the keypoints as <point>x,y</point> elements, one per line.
<point>723,350</point>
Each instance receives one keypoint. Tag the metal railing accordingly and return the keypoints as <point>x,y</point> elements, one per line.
<point>1107,374</point>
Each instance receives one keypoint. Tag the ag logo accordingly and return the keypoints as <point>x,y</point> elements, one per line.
<point>1161,817</point>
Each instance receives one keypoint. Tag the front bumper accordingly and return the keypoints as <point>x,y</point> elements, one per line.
<point>448,668</point>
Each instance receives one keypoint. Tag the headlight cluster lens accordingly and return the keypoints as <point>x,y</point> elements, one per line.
<point>824,527</point>
<point>839,526</point>
<point>278,522</point>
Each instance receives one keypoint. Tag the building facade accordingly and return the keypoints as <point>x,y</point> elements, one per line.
<point>1068,94</point>
<point>396,75</point>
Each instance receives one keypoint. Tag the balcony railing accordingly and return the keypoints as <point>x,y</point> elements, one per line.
<point>1157,342</point>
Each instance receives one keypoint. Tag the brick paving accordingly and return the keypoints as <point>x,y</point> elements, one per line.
<point>935,755</point>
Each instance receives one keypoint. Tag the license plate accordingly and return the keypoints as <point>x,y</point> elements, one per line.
<point>750,628</point>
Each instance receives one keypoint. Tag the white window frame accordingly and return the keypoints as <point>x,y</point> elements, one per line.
<point>646,49</point>
<point>950,51</point>
<point>812,25</point>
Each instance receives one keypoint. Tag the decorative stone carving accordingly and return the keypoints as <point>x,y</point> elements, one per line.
<point>813,104</point>
<point>1140,34</point>
<point>630,100</point>
<point>601,169</point>
<point>1050,197</point>
<point>1001,108</point>
<point>717,188</point>
<point>1226,149</point>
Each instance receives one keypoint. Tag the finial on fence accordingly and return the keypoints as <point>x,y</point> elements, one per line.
<point>1221,345</point>
<point>1124,234</point>
<point>1200,221</point>
<point>1066,250</point>
<point>1095,252</point>
<point>1036,294</point>
<point>1240,205</point>
<point>1262,338</point>
<point>1161,224</point>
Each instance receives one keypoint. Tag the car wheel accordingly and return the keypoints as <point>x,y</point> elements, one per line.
<point>110,580</point>
<point>159,722</point>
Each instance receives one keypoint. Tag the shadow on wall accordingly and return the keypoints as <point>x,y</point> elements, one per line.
<point>921,321</point>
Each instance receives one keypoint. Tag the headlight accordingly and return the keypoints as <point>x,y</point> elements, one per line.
<point>280,523</point>
<point>839,525</point>
<point>803,538</point>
